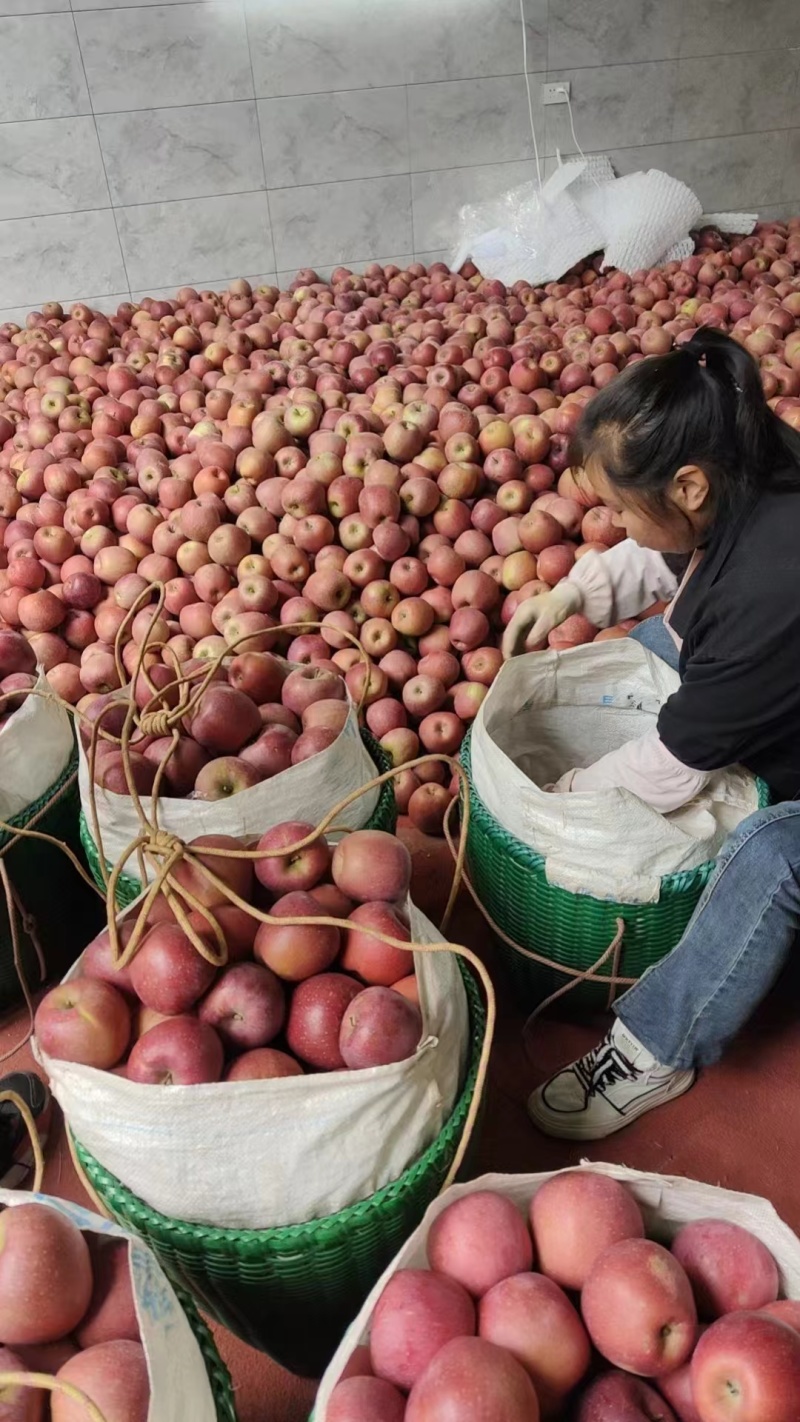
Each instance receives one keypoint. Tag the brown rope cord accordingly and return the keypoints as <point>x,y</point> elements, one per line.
<point>576,975</point>
<point>36,1144</point>
<point>51,1384</point>
<point>158,845</point>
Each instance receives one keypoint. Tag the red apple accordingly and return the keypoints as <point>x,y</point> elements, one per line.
<point>728,1267</point>
<point>178,1052</point>
<point>113,1376</point>
<point>371,865</point>
<point>747,1367</point>
<point>366,956</point>
<point>45,1275</point>
<point>617,1397</point>
<point>227,775</point>
<point>168,973</point>
<point>85,1020</point>
<point>480,1240</point>
<point>263,1064</point>
<point>577,1215</point>
<point>309,684</point>
<point>470,1380</point>
<point>379,1026</point>
<point>296,952</point>
<point>246,1007</point>
<point>300,870</point>
<point>365,1399</point>
<point>225,720</point>
<point>416,1316</point>
<point>638,1308</point>
<point>112,1311</point>
<point>259,674</point>
<point>96,960</point>
<point>315,1018</point>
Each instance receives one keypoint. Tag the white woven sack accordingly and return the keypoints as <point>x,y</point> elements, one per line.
<point>179,1385</point>
<point>667,1203</point>
<point>35,746</point>
<point>303,792</point>
<point>260,1154</point>
<point>550,712</point>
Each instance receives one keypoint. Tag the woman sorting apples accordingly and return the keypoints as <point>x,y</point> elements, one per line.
<point>685,451</point>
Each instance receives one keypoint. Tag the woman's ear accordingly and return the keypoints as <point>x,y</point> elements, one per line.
<point>690,489</point>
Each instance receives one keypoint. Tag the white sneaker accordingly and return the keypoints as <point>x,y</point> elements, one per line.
<point>605,1090</point>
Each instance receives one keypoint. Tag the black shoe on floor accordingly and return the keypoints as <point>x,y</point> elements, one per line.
<point>16,1155</point>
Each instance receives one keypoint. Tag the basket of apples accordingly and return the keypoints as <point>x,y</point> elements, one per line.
<point>274,1121</point>
<point>38,792</point>
<point>599,1294</point>
<point>232,741</point>
<point>91,1330</point>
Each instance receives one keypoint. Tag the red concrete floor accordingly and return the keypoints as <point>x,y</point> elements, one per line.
<point>733,1129</point>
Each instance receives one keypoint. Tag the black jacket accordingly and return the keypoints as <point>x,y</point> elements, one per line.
<point>739,618</point>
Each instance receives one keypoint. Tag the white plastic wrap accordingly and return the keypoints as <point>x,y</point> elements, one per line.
<point>527,234</point>
<point>667,1202</point>
<point>260,1154</point>
<point>740,222</point>
<point>537,234</point>
<point>179,1385</point>
<point>550,712</point>
<point>641,216</point>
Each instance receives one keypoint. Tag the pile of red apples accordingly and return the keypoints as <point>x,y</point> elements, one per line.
<point>385,455</point>
<point>67,1310</point>
<point>568,1311</point>
<point>291,999</point>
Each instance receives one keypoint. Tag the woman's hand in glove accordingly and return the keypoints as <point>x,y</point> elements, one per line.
<point>537,616</point>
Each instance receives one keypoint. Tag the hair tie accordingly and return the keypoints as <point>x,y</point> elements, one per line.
<point>701,359</point>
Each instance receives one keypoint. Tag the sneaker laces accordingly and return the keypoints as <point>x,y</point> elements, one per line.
<point>610,1065</point>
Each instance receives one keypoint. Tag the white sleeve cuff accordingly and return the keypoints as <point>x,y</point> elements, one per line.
<point>622,582</point>
<point>644,767</point>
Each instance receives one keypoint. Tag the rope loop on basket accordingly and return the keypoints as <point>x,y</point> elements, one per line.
<point>36,1144</point>
<point>575,976</point>
<point>50,1384</point>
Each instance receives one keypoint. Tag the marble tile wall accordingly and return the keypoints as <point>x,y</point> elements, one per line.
<point>150,143</point>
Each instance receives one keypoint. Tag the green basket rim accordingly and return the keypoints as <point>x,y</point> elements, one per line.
<point>129,888</point>
<point>283,1237</point>
<point>527,858</point>
<point>53,792</point>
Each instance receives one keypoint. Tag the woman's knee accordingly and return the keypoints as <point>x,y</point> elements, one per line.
<point>770,834</point>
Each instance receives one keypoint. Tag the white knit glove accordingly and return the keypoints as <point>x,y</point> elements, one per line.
<point>536,617</point>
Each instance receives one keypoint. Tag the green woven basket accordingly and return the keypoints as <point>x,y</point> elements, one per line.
<point>64,911</point>
<point>218,1376</point>
<point>570,929</point>
<point>384,818</point>
<point>291,1292</point>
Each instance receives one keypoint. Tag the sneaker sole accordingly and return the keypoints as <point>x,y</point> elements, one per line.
<point>561,1128</point>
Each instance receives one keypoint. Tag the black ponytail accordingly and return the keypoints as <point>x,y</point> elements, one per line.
<point>701,404</point>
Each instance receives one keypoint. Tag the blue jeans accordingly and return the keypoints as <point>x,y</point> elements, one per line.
<point>688,1007</point>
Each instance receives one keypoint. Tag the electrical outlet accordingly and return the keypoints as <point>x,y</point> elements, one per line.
<point>555,93</point>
